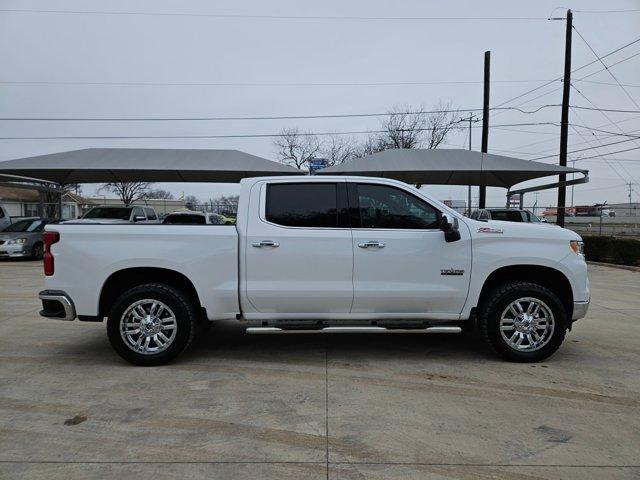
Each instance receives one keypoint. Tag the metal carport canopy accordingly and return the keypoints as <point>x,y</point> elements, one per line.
<point>448,167</point>
<point>98,165</point>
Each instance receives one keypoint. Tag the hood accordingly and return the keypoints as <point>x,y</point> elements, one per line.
<point>523,229</point>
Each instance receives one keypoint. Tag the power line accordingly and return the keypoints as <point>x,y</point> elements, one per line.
<point>610,153</point>
<point>608,11</point>
<point>573,71</point>
<point>258,84</point>
<point>266,135</point>
<point>262,17</point>
<point>606,67</point>
<point>297,117</point>
<point>591,148</point>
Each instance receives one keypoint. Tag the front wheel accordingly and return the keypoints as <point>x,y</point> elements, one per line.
<point>151,324</point>
<point>523,322</point>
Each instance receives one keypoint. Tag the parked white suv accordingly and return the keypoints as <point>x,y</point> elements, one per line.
<point>321,253</point>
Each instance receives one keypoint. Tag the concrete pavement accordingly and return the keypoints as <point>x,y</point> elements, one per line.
<point>369,406</point>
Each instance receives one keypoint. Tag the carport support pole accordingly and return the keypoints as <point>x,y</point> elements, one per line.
<point>60,201</point>
<point>485,121</point>
<point>564,121</point>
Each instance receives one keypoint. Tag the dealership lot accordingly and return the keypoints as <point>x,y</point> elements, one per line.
<point>299,406</point>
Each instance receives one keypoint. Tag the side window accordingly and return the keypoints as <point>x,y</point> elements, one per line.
<point>381,206</point>
<point>151,214</point>
<point>137,212</point>
<point>305,204</point>
<point>484,215</point>
<point>1,212</point>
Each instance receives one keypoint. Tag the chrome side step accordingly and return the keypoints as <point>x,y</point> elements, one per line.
<point>276,330</point>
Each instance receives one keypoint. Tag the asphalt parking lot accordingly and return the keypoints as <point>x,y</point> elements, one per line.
<point>368,406</point>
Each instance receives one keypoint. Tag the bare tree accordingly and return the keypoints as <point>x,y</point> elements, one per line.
<point>371,144</point>
<point>338,149</point>
<point>128,192</point>
<point>159,193</point>
<point>296,148</point>
<point>410,128</point>
<point>191,202</point>
<point>440,124</point>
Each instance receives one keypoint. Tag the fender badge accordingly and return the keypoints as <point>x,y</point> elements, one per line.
<point>451,271</point>
<point>490,230</point>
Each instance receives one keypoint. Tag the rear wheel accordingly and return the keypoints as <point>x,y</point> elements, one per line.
<point>523,322</point>
<point>151,324</point>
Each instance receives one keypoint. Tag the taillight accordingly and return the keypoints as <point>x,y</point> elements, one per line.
<point>49,238</point>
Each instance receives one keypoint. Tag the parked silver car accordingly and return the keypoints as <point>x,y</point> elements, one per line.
<point>23,238</point>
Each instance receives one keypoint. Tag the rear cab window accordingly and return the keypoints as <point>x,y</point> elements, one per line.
<point>307,204</point>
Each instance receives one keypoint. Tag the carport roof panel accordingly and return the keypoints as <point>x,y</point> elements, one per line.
<point>448,167</point>
<point>97,165</point>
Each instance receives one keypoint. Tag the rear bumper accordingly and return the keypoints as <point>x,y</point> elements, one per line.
<point>580,310</point>
<point>57,304</point>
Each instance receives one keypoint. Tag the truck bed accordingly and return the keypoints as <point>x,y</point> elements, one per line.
<point>207,255</point>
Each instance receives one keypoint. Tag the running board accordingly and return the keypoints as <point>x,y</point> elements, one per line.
<point>271,330</point>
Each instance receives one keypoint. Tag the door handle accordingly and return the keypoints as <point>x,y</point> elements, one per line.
<point>266,243</point>
<point>372,244</point>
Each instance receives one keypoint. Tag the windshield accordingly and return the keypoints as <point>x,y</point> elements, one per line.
<point>185,219</point>
<point>25,226</point>
<point>118,213</point>
<point>507,215</point>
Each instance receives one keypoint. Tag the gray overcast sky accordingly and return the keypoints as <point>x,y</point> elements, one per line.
<point>82,47</point>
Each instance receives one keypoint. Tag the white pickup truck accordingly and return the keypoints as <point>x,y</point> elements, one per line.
<point>323,254</point>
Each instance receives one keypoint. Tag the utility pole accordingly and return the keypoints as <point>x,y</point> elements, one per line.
<point>485,120</point>
<point>564,121</point>
<point>472,118</point>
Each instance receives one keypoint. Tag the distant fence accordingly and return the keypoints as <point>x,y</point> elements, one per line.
<point>618,221</point>
<point>226,209</point>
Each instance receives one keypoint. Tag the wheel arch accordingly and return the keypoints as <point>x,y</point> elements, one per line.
<point>122,280</point>
<point>548,277</point>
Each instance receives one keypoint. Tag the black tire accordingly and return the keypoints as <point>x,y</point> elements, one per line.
<point>176,301</point>
<point>37,252</point>
<point>495,304</point>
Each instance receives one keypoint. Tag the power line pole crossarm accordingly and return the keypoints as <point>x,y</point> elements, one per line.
<point>564,121</point>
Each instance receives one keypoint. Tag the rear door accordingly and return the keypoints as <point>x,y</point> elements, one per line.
<point>402,263</point>
<point>299,255</point>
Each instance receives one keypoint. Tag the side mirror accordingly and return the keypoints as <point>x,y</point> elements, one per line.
<point>139,218</point>
<point>451,232</point>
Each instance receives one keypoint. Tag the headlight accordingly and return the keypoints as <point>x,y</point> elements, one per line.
<point>577,247</point>
<point>17,241</point>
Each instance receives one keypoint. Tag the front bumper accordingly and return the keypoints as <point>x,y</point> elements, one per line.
<point>580,310</point>
<point>14,251</point>
<point>57,304</point>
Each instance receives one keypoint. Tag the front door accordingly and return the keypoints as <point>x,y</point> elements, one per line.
<point>299,255</point>
<point>402,264</point>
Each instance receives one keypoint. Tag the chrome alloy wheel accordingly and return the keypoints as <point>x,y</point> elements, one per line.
<point>148,326</point>
<point>527,324</point>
